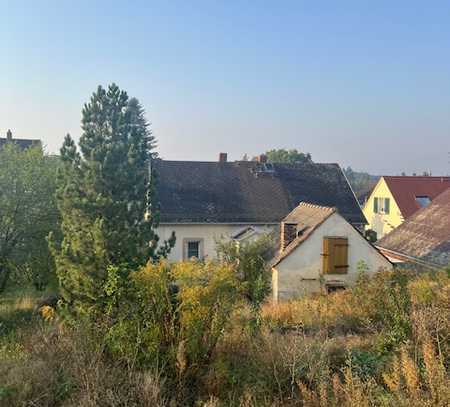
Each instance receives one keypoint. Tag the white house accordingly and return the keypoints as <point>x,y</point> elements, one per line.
<point>320,252</point>
<point>205,201</point>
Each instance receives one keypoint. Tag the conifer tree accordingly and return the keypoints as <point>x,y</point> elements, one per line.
<point>106,197</point>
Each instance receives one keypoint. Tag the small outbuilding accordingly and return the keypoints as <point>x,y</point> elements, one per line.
<point>320,251</point>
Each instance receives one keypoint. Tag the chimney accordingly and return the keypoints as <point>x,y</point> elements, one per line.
<point>223,157</point>
<point>288,234</point>
<point>9,135</point>
<point>262,158</point>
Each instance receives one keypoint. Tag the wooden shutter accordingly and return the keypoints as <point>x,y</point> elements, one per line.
<point>340,248</point>
<point>327,255</point>
<point>335,255</point>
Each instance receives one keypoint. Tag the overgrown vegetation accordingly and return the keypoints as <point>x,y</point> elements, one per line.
<point>385,342</point>
<point>126,328</point>
<point>28,214</point>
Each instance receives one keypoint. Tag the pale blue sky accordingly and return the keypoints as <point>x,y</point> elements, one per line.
<point>366,86</point>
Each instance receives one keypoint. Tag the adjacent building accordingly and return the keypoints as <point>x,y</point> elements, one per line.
<point>203,202</point>
<point>396,198</point>
<point>22,143</point>
<point>423,240</point>
<point>320,251</point>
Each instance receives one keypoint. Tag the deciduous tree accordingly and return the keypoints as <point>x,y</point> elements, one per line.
<point>27,213</point>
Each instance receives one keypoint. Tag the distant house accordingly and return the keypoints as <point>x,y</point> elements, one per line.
<point>206,201</point>
<point>424,238</point>
<point>395,199</point>
<point>22,143</point>
<point>320,252</point>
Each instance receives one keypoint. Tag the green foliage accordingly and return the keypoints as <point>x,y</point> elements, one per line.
<point>250,260</point>
<point>172,316</point>
<point>364,363</point>
<point>361,182</point>
<point>28,214</point>
<point>201,354</point>
<point>106,197</point>
<point>287,156</point>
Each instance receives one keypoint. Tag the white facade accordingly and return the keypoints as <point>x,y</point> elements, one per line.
<point>206,234</point>
<point>301,271</point>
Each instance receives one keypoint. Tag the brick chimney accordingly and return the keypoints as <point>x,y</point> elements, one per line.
<point>223,157</point>
<point>288,234</point>
<point>262,158</point>
<point>9,135</point>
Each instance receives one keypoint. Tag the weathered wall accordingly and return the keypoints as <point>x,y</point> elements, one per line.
<point>208,233</point>
<point>301,272</point>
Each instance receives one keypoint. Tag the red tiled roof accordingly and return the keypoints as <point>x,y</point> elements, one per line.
<point>425,235</point>
<point>405,189</point>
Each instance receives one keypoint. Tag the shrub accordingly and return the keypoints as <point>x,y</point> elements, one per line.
<point>171,318</point>
<point>250,259</point>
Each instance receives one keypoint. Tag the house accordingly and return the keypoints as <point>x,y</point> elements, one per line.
<point>206,201</point>
<point>395,199</point>
<point>320,251</point>
<point>22,143</point>
<point>423,240</point>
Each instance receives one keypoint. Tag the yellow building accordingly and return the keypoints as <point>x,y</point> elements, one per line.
<point>396,198</point>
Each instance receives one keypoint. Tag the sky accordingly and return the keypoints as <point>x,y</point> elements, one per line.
<point>364,85</point>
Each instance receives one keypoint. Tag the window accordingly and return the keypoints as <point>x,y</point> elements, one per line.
<point>192,248</point>
<point>335,255</point>
<point>387,204</point>
<point>334,288</point>
<point>423,201</point>
<point>381,205</point>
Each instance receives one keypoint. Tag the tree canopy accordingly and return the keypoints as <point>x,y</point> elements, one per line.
<point>106,196</point>
<point>28,213</point>
<point>287,156</point>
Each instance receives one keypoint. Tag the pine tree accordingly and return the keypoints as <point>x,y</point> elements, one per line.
<point>106,197</point>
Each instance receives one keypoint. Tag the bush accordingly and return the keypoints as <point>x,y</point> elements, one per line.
<point>251,262</point>
<point>171,317</point>
<point>179,335</point>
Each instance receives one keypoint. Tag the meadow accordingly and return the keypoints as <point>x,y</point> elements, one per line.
<point>383,343</point>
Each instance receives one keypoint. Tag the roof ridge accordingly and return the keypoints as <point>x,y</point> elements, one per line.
<point>416,176</point>
<point>322,207</point>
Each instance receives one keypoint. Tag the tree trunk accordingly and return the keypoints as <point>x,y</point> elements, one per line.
<point>4,275</point>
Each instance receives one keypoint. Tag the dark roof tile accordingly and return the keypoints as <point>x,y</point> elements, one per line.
<point>225,192</point>
<point>22,143</point>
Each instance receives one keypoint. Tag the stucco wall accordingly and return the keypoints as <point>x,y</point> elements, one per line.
<point>301,272</point>
<point>207,233</point>
<point>382,223</point>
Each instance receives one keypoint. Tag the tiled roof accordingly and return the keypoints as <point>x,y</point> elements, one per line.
<point>22,143</point>
<point>425,235</point>
<point>239,192</point>
<point>405,189</point>
<point>308,217</point>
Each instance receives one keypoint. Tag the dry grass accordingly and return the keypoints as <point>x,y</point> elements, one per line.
<point>387,347</point>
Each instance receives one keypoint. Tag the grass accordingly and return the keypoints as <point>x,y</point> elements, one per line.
<point>384,343</point>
